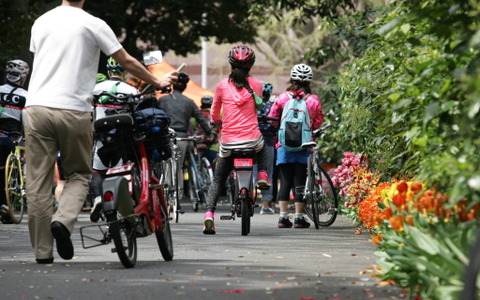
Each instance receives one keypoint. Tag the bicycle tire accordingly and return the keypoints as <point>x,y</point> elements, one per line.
<point>124,237</point>
<point>173,188</point>
<point>244,206</point>
<point>206,172</point>
<point>311,206</point>
<point>193,188</point>
<point>164,233</point>
<point>325,196</point>
<point>14,189</point>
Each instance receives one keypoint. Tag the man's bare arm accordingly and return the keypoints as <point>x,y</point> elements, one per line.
<point>134,67</point>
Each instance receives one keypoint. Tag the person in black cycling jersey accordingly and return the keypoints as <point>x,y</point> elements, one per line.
<point>180,109</point>
<point>106,156</point>
<point>12,101</point>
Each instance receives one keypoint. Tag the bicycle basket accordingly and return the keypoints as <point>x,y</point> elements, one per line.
<point>154,124</point>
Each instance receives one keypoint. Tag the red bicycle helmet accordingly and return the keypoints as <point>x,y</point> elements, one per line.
<point>241,56</point>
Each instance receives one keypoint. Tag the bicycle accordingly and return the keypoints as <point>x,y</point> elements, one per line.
<point>166,171</point>
<point>319,192</point>
<point>133,199</point>
<point>199,170</point>
<point>240,188</point>
<point>15,179</point>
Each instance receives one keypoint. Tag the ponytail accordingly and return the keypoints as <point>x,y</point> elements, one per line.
<point>239,77</point>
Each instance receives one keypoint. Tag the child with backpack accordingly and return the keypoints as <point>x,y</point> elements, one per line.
<point>300,113</point>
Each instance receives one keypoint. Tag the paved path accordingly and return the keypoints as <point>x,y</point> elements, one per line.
<point>305,264</point>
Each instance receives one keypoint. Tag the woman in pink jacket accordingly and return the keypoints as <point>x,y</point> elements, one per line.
<point>239,125</point>
<point>292,166</point>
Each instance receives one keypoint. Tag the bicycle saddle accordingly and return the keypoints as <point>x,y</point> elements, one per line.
<point>110,122</point>
<point>309,145</point>
<point>243,152</point>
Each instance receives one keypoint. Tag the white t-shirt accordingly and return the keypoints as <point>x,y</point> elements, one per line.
<point>67,42</point>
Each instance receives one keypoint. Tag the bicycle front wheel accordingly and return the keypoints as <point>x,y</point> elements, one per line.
<point>124,237</point>
<point>325,197</point>
<point>163,233</point>
<point>14,188</point>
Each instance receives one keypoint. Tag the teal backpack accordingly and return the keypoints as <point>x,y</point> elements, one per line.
<point>295,124</point>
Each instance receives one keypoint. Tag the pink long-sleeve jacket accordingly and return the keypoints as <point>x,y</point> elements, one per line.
<point>314,108</point>
<point>236,108</point>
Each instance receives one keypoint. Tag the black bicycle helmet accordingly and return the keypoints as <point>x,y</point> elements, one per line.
<point>183,78</point>
<point>206,101</point>
<point>241,56</point>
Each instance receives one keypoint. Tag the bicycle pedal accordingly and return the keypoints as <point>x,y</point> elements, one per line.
<point>181,211</point>
<point>226,218</point>
<point>114,250</point>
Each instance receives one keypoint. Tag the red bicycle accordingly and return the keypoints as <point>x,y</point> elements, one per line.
<point>133,200</point>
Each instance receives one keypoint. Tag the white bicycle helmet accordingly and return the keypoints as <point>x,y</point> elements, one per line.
<point>16,69</point>
<point>301,72</point>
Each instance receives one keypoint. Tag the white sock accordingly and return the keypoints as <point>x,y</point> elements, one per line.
<point>284,215</point>
<point>299,216</point>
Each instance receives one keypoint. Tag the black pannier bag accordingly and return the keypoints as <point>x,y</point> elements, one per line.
<point>154,124</point>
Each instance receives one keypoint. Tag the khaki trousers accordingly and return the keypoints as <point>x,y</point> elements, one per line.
<point>47,131</point>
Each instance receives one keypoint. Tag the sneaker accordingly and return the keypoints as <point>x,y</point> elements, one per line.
<point>301,223</point>
<point>263,182</point>
<point>62,237</point>
<point>96,212</point>
<point>266,211</point>
<point>5,215</point>
<point>208,224</point>
<point>284,223</point>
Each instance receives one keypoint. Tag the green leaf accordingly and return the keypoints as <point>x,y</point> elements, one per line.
<point>424,241</point>
<point>388,27</point>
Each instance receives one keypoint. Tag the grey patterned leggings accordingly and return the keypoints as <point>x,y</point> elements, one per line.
<point>222,170</point>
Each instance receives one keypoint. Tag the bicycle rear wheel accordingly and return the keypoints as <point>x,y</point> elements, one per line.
<point>311,206</point>
<point>124,237</point>
<point>173,188</point>
<point>163,233</point>
<point>206,173</point>
<point>14,188</point>
<point>325,197</point>
<point>246,214</point>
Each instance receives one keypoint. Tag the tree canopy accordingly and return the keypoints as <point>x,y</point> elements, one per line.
<point>169,25</point>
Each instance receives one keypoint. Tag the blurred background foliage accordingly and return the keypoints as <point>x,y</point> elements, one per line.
<point>398,79</point>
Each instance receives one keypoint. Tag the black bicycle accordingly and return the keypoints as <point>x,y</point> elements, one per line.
<point>319,192</point>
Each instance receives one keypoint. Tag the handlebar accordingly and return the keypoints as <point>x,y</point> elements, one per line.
<point>265,118</point>
<point>192,138</point>
<point>319,131</point>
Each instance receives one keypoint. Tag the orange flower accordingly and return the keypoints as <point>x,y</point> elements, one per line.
<point>399,200</point>
<point>376,239</point>
<point>409,220</point>
<point>402,187</point>
<point>396,223</point>
<point>416,187</point>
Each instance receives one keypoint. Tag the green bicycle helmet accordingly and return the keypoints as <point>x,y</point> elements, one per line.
<point>101,77</point>
<point>114,67</point>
